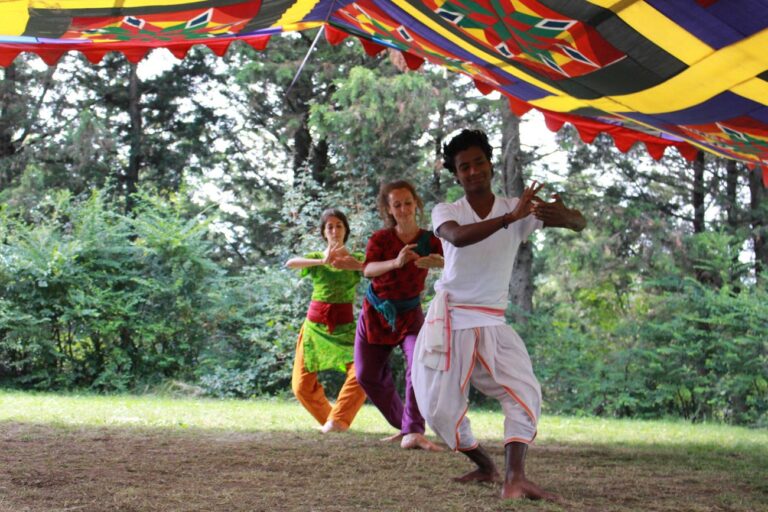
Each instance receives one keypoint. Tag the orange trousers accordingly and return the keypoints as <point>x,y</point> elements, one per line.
<point>312,395</point>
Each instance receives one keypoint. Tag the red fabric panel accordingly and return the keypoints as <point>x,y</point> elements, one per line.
<point>412,61</point>
<point>330,314</point>
<point>553,123</point>
<point>7,56</point>
<point>258,43</point>
<point>484,87</point>
<point>622,142</point>
<point>371,49</point>
<point>334,36</point>
<point>689,152</point>
<point>94,56</point>
<point>519,107</point>
<point>589,128</point>
<point>655,150</point>
<point>134,55</point>
<point>179,50</point>
<point>587,133</point>
<point>50,57</point>
<point>219,47</point>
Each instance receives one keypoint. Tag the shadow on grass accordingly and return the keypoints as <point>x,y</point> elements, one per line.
<point>46,467</point>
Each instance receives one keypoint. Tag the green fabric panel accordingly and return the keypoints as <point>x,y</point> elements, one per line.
<point>323,351</point>
<point>332,285</point>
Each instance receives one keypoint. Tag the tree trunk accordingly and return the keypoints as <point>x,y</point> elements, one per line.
<point>134,159</point>
<point>732,215</point>
<point>302,144</point>
<point>731,205</point>
<point>697,198</point>
<point>319,162</point>
<point>298,101</point>
<point>438,163</point>
<point>7,99</point>
<point>521,285</point>
<point>759,220</point>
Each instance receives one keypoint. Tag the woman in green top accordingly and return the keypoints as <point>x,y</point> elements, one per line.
<point>326,339</point>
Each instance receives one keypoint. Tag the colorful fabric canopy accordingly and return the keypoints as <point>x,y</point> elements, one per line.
<point>692,74</point>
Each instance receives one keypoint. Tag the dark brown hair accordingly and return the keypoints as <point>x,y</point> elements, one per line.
<point>463,141</point>
<point>333,212</point>
<point>382,201</point>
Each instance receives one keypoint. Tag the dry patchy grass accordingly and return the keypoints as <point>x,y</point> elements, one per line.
<point>46,467</point>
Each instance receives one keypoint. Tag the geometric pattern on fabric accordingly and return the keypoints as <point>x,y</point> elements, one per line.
<point>692,74</point>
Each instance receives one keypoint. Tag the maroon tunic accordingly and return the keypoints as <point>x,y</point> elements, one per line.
<point>400,283</point>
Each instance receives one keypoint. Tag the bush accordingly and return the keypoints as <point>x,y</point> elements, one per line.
<point>257,323</point>
<point>93,298</point>
<point>689,351</point>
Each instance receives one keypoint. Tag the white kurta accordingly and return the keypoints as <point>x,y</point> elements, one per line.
<point>465,339</point>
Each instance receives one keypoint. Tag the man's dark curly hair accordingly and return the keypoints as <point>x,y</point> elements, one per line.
<point>465,140</point>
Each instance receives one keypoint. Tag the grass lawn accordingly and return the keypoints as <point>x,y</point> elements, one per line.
<point>147,453</point>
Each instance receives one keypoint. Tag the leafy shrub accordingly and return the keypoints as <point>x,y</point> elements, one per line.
<point>93,298</point>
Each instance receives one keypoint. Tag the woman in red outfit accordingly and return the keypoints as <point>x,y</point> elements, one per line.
<point>397,260</point>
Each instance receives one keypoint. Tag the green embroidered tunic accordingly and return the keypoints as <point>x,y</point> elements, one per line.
<point>324,350</point>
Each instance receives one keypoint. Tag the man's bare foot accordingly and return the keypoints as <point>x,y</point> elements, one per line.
<point>479,475</point>
<point>415,441</point>
<point>525,489</point>
<point>392,439</point>
<point>333,426</point>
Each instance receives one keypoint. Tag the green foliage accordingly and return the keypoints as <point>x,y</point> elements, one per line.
<point>696,353</point>
<point>635,316</point>
<point>641,317</point>
<point>258,316</point>
<point>93,298</point>
<point>358,123</point>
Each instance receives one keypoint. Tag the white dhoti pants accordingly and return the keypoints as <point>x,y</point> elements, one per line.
<point>494,360</point>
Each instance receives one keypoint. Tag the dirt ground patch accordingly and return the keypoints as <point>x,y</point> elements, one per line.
<point>45,468</point>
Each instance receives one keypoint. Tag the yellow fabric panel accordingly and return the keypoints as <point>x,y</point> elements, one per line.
<point>662,31</point>
<point>755,90</point>
<point>13,22</point>
<point>569,104</point>
<point>730,67</point>
<point>296,12</point>
<point>100,4</point>
<point>294,27</point>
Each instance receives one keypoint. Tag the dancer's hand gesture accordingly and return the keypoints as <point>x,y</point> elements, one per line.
<point>335,251</point>
<point>556,214</point>
<point>526,201</point>
<point>347,262</point>
<point>406,254</point>
<point>431,261</point>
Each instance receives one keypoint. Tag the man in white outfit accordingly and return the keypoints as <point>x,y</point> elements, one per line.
<point>465,338</point>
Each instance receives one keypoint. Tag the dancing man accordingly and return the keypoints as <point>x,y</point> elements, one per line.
<point>465,338</point>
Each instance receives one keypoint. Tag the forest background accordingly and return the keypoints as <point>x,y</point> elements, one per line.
<point>145,219</point>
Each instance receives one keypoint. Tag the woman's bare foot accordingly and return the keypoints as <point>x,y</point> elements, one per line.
<point>392,439</point>
<point>478,475</point>
<point>525,489</point>
<point>415,441</point>
<point>333,426</point>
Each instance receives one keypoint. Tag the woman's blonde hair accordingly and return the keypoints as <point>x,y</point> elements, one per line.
<point>382,201</point>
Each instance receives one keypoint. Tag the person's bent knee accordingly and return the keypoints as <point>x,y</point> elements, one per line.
<point>366,381</point>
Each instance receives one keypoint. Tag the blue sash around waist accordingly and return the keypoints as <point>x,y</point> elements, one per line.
<point>389,308</point>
